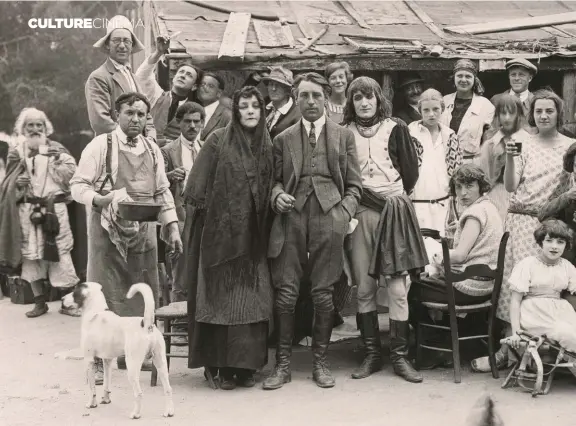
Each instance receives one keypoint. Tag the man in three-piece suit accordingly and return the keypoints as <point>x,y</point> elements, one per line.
<point>217,107</point>
<point>114,77</point>
<point>317,190</point>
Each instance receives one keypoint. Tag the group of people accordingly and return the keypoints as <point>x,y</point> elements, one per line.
<point>306,194</point>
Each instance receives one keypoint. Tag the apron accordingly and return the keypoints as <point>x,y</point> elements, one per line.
<point>106,266</point>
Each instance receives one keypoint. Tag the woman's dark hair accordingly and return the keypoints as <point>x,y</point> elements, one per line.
<point>366,86</point>
<point>569,155</point>
<point>547,94</point>
<point>247,92</point>
<point>190,108</point>
<point>512,105</point>
<point>554,228</point>
<point>335,66</point>
<point>4,147</point>
<point>469,173</point>
<point>130,98</point>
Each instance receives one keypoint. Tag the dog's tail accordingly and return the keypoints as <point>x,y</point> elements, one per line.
<point>149,306</point>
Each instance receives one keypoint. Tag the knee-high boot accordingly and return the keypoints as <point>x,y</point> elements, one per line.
<point>322,330</point>
<point>370,333</point>
<point>399,338</point>
<point>281,373</point>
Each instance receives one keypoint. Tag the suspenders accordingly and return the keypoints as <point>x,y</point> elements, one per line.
<point>108,161</point>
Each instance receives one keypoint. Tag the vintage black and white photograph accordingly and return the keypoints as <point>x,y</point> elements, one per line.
<point>287,212</point>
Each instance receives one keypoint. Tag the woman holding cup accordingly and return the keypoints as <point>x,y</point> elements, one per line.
<point>531,176</point>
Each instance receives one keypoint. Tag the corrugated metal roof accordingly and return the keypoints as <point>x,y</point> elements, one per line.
<point>202,28</point>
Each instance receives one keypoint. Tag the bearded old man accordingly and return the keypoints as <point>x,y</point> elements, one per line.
<point>114,77</point>
<point>37,180</point>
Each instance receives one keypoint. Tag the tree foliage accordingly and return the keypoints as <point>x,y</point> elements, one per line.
<point>47,68</point>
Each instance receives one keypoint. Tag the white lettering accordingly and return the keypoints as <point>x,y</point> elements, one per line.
<point>87,23</point>
<point>33,23</point>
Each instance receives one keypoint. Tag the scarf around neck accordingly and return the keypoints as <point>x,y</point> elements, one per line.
<point>237,204</point>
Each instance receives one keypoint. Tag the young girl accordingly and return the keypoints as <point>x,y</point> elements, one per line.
<point>536,283</point>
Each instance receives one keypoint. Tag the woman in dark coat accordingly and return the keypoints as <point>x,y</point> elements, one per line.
<point>226,238</point>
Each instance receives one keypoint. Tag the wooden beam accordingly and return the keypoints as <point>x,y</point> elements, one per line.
<point>349,8</point>
<point>514,24</point>
<point>317,37</point>
<point>368,61</point>
<point>388,86</point>
<point>376,36</point>
<point>425,18</point>
<point>569,96</point>
<point>234,41</point>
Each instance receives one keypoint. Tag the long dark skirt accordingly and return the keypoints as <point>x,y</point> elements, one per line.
<point>236,346</point>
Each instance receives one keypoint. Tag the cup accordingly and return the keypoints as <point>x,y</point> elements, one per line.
<point>518,146</point>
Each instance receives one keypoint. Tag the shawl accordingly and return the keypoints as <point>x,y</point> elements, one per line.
<point>234,186</point>
<point>10,231</point>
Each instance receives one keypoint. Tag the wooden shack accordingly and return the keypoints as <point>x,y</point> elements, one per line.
<point>378,39</point>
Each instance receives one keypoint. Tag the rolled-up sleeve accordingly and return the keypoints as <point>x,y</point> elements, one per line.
<point>87,174</point>
<point>62,169</point>
<point>147,80</point>
<point>163,195</point>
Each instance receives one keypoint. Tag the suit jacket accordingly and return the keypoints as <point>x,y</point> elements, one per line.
<point>172,153</point>
<point>288,160</point>
<point>102,88</point>
<point>221,117</point>
<point>408,115</point>
<point>525,104</point>
<point>285,121</point>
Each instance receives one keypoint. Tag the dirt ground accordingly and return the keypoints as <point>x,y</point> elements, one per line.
<point>36,388</point>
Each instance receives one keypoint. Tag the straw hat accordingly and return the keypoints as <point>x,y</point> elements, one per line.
<point>280,75</point>
<point>116,23</point>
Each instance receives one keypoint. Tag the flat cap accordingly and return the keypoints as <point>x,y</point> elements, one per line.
<point>521,62</point>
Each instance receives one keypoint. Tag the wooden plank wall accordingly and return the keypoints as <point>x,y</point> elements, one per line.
<point>569,96</point>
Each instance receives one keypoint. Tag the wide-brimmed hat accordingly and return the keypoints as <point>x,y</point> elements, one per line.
<point>280,75</point>
<point>521,62</point>
<point>116,23</point>
<point>409,78</point>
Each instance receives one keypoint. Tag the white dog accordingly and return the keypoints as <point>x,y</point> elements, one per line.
<point>106,335</point>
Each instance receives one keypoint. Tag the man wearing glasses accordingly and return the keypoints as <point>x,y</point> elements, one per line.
<point>218,114</point>
<point>114,77</point>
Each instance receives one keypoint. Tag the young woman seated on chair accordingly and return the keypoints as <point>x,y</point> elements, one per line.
<point>536,283</point>
<point>478,232</point>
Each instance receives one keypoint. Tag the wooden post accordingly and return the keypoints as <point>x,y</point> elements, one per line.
<point>388,86</point>
<point>569,96</point>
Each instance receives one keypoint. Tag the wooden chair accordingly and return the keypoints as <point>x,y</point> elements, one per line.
<point>168,314</point>
<point>453,310</point>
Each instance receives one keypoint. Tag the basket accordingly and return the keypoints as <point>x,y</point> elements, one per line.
<point>20,291</point>
<point>138,211</point>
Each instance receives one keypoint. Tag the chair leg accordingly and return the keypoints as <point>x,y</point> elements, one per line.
<point>418,341</point>
<point>455,348</point>
<point>164,284</point>
<point>168,340</point>
<point>491,349</point>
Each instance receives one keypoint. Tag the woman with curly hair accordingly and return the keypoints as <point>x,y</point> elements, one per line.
<point>339,77</point>
<point>476,241</point>
<point>531,176</point>
<point>386,245</point>
<point>508,123</point>
<point>225,244</point>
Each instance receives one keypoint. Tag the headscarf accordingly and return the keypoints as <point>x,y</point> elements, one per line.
<point>468,65</point>
<point>239,179</point>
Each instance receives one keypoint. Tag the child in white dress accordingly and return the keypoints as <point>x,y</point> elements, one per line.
<point>537,282</point>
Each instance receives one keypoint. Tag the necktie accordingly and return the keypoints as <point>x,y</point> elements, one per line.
<point>176,99</point>
<point>312,136</point>
<point>131,142</point>
<point>517,95</point>
<point>272,118</point>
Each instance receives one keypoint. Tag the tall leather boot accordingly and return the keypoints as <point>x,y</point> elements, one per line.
<point>321,332</point>
<point>281,373</point>
<point>370,332</point>
<point>399,335</point>
<point>40,307</point>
